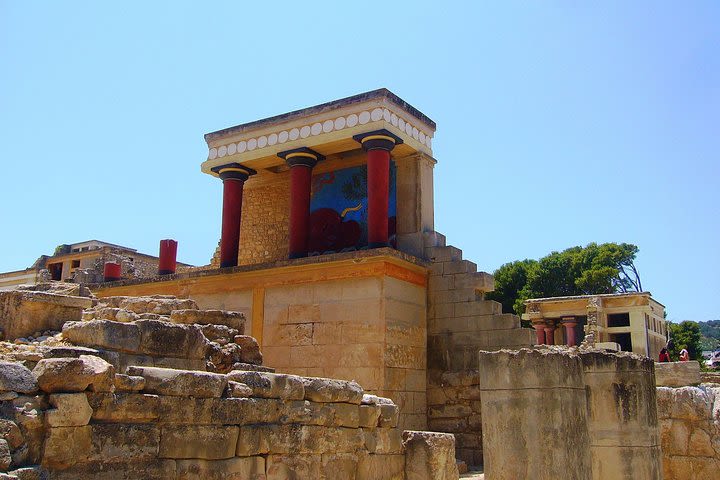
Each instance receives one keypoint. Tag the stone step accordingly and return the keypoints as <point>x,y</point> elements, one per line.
<point>443,254</point>
<point>434,239</point>
<point>477,323</point>
<point>480,307</point>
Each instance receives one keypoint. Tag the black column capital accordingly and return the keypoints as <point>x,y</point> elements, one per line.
<point>301,156</point>
<point>233,171</point>
<point>378,140</point>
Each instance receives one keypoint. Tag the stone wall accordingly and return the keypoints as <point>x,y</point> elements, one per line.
<point>264,232</point>
<point>690,432</point>
<point>460,323</point>
<point>552,412</point>
<point>677,374</point>
<point>76,418</point>
<point>24,312</point>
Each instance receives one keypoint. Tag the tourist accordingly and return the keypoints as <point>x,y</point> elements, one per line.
<point>664,355</point>
<point>684,355</point>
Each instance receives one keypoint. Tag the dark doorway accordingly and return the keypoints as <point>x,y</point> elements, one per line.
<point>623,339</point>
<point>55,271</point>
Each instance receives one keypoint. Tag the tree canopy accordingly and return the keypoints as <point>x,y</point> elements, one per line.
<point>685,335</point>
<point>593,269</point>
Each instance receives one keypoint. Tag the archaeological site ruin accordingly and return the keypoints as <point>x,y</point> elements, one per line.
<point>333,335</point>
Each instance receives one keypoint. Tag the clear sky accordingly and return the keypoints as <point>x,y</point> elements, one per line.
<point>559,123</point>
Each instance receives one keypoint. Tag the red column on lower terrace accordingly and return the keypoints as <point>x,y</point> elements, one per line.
<point>569,324</point>
<point>112,271</point>
<point>233,176</point>
<point>301,162</point>
<point>549,334</point>
<point>168,257</point>
<point>378,144</point>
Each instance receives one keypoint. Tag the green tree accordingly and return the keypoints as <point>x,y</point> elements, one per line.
<point>685,335</point>
<point>593,269</point>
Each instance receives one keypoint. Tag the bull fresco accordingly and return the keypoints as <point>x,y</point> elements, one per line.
<point>338,210</point>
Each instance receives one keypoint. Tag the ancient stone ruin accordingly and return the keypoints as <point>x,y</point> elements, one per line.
<point>153,387</point>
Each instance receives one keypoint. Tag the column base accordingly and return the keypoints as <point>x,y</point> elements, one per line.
<point>228,264</point>
<point>165,272</point>
<point>293,256</point>
<point>378,245</point>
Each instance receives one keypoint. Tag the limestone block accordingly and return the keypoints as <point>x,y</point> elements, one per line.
<point>405,356</point>
<point>369,416</point>
<point>218,333</point>
<point>65,446</point>
<point>161,305</point>
<point>124,337</point>
<point>383,440</point>
<point>128,383</point>
<point>284,467</point>
<point>124,407</point>
<point>339,466</point>
<point>293,439</point>
<point>36,472</point>
<point>234,320</point>
<point>160,338</point>
<point>246,411</point>
<point>389,415</point>
<point>210,442</point>
<point>71,410</point>
<point>677,374</point>
<point>461,266</point>
<point>126,469</point>
<point>74,374</point>
<point>443,254</point>
<point>429,456</point>
<point>246,468</point>
<point>345,414</point>
<point>271,385</point>
<point>25,312</point>
<point>15,377</point>
<point>238,390</point>
<point>182,383</point>
<point>330,390</point>
<point>112,442</point>
<point>249,349</point>
<point>380,467</point>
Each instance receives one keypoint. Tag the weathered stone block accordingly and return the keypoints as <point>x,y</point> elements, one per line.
<point>429,456</point>
<point>329,390</point>
<point>249,349</point>
<point>246,468</point>
<point>389,415</point>
<point>210,442</point>
<point>380,467</point>
<point>159,338</point>
<point>234,320</point>
<point>25,312</point>
<point>112,442</point>
<point>369,416</point>
<point>383,440</point>
<point>271,385</point>
<point>293,439</point>
<point>124,407</point>
<point>677,374</point>
<point>74,374</point>
<point>15,377</point>
<point>124,337</point>
<point>284,467</point>
<point>66,446</point>
<point>128,383</point>
<point>183,383</point>
<point>71,410</point>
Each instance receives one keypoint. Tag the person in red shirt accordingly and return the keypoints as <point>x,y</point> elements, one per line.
<point>664,355</point>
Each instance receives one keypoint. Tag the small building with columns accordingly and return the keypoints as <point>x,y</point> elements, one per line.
<point>634,321</point>
<point>328,247</point>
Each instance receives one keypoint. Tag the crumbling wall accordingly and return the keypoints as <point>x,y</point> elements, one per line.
<point>24,312</point>
<point>77,418</point>
<point>555,412</point>
<point>690,432</point>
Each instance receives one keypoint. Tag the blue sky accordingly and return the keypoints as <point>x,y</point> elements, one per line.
<point>559,123</point>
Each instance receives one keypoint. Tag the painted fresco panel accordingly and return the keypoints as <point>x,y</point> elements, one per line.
<point>338,210</point>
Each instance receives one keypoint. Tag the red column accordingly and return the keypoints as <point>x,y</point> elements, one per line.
<point>378,145</point>
<point>539,333</point>
<point>233,177</point>
<point>549,335</point>
<point>168,257</point>
<point>112,271</point>
<point>569,323</point>
<point>301,162</point>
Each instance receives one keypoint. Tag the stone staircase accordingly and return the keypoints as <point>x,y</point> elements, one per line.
<point>460,320</point>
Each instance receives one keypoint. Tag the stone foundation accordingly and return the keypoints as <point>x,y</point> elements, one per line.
<point>690,432</point>
<point>677,374</point>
